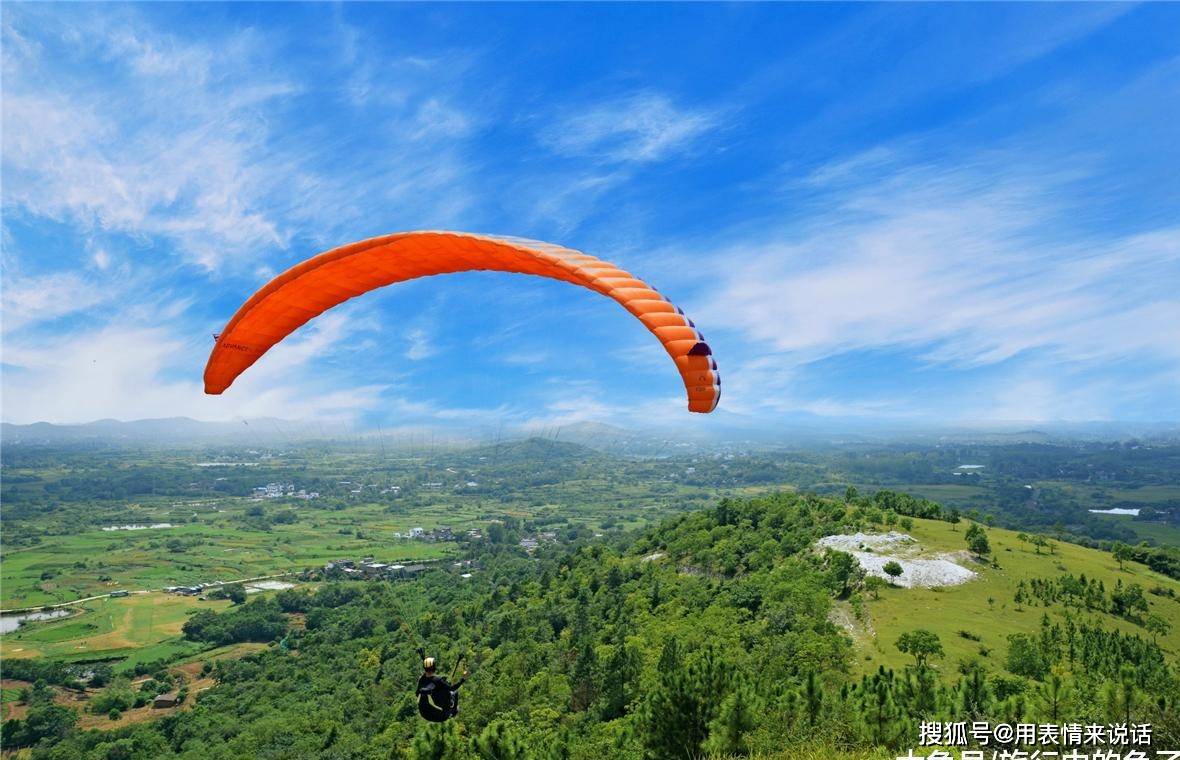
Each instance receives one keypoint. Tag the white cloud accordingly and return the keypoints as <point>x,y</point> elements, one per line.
<point>564,201</point>
<point>193,143</point>
<point>572,409</point>
<point>436,119</point>
<point>639,128</point>
<point>968,267</point>
<point>608,142</point>
<point>29,300</point>
<point>421,345</point>
<point>526,358</point>
<point>164,148</point>
<point>135,369</point>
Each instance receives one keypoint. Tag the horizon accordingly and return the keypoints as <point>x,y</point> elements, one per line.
<point>818,432</point>
<point>935,230</point>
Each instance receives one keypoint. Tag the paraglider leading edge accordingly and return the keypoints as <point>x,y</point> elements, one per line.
<point>312,287</point>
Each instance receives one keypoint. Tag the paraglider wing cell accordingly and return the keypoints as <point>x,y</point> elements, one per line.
<point>308,289</point>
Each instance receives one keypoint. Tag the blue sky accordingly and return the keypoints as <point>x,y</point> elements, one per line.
<point>921,213</point>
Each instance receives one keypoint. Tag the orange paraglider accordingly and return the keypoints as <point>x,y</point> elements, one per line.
<point>308,289</point>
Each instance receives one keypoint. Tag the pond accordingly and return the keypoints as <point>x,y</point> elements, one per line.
<point>268,586</point>
<point>9,623</point>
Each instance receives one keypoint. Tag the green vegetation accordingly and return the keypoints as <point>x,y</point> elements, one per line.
<point>977,540</point>
<point>58,500</point>
<point>673,607</point>
<point>137,626</point>
<point>72,566</point>
<point>708,633</point>
<point>1000,601</point>
<point>260,620</point>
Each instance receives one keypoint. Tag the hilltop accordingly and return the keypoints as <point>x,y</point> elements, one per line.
<point>529,451</point>
<point>986,607</point>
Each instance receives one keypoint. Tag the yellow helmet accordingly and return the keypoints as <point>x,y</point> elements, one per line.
<point>428,663</point>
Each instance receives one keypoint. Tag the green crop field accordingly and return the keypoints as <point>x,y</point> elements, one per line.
<point>66,554</point>
<point>1154,532</point>
<point>1100,495</point>
<point>68,567</point>
<point>9,698</point>
<point>141,626</point>
<point>985,607</point>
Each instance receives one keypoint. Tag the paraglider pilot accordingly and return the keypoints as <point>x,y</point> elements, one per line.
<point>437,699</point>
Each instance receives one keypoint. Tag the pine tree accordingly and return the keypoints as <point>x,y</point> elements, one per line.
<point>1052,696</point>
<point>736,718</point>
<point>881,715</point>
<point>813,698</point>
<point>921,693</point>
<point>584,691</point>
<point>974,694</point>
<point>437,741</point>
<point>685,700</point>
<point>1122,696</point>
<point>617,678</point>
<point>500,741</point>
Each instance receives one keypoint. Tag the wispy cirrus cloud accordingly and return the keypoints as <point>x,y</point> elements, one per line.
<point>962,267</point>
<point>136,139</point>
<point>421,345</point>
<point>200,143</point>
<point>639,128</point>
<point>163,149</point>
<point>966,264</point>
<point>38,299</point>
<point>603,145</point>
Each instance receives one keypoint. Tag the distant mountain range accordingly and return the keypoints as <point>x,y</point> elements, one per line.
<point>733,431</point>
<point>271,432</point>
<point>166,430</point>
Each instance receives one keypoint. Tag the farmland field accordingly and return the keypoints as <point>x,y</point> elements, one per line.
<point>143,626</point>
<point>96,541</point>
<point>213,548</point>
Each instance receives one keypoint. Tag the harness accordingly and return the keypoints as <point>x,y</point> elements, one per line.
<point>427,707</point>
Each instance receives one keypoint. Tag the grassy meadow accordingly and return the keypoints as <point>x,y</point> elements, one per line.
<point>984,607</point>
<point>140,627</point>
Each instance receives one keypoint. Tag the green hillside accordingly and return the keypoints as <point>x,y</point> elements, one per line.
<point>985,607</point>
<point>715,633</point>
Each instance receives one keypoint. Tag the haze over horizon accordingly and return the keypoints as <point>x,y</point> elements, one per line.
<point>805,432</point>
<point>939,229</point>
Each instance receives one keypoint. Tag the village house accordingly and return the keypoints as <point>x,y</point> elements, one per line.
<point>412,571</point>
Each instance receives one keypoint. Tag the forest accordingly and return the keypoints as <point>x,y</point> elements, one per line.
<point>706,634</point>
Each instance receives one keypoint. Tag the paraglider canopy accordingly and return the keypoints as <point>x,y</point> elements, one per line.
<point>308,289</point>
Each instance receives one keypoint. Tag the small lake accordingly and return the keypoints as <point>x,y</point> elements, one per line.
<point>268,586</point>
<point>9,623</point>
<point>138,527</point>
<point>1116,511</point>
